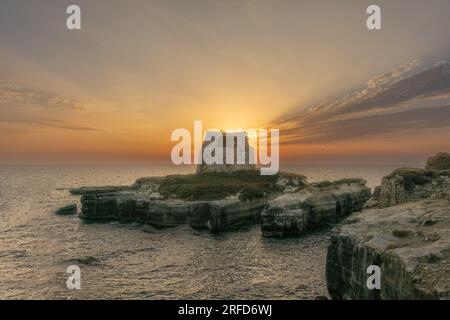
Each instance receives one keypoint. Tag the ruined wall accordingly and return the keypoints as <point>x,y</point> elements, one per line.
<point>393,190</point>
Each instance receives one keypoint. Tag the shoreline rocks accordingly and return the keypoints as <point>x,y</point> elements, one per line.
<point>223,215</point>
<point>291,206</point>
<point>409,242</point>
<point>405,231</point>
<point>292,214</point>
<point>70,209</point>
<point>215,215</point>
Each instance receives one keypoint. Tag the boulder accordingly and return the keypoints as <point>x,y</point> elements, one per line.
<point>440,161</point>
<point>410,243</point>
<point>67,210</point>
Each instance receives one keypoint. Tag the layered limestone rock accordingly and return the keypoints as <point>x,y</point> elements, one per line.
<point>409,242</point>
<point>292,204</point>
<point>134,206</point>
<point>221,215</point>
<point>292,213</point>
<point>145,207</point>
<point>215,201</point>
<point>405,231</point>
<point>217,215</point>
<point>221,201</point>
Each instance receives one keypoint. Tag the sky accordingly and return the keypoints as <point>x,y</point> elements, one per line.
<point>112,92</point>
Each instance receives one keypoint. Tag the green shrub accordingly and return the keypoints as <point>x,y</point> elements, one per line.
<point>213,185</point>
<point>440,161</point>
<point>414,176</point>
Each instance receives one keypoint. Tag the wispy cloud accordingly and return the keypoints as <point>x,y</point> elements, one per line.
<point>21,104</point>
<point>42,122</point>
<point>12,93</point>
<point>405,99</point>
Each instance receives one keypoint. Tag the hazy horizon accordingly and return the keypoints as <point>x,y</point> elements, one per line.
<point>112,92</point>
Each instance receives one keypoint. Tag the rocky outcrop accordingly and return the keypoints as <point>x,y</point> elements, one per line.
<point>67,210</point>
<point>441,161</point>
<point>134,206</point>
<point>213,201</point>
<point>292,213</point>
<point>404,230</point>
<point>222,215</point>
<point>292,205</point>
<point>410,243</point>
<point>147,206</point>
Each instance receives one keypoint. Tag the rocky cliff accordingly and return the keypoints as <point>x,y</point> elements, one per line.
<point>409,242</point>
<point>148,207</point>
<point>215,201</point>
<point>293,213</point>
<point>405,231</point>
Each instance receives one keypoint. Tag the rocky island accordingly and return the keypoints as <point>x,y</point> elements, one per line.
<point>285,203</point>
<point>219,197</point>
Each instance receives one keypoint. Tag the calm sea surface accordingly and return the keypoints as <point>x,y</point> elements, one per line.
<point>134,261</point>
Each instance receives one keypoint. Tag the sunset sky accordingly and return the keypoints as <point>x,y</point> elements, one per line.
<point>114,91</point>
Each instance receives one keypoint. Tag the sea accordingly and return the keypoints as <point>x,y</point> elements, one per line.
<point>135,261</point>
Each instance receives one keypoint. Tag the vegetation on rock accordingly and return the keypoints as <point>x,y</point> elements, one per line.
<point>417,176</point>
<point>215,185</point>
<point>345,181</point>
<point>440,161</point>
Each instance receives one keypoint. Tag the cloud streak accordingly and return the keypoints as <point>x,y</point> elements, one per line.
<point>12,93</point>
<point>42,122</point>
<point>21,104</point>
<point>405,99</point>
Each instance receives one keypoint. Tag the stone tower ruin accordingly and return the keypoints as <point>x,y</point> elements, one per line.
<point>230,143</point>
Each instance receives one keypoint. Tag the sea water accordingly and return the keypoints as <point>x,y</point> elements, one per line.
<point>133,261</point>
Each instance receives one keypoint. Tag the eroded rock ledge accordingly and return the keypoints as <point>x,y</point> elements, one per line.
<point>319,204</point>
<point>404,230</point>
<point>221,201</point>
<point>410,243</point>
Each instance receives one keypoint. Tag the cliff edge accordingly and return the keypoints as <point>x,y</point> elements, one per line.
<point>405,231</point>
